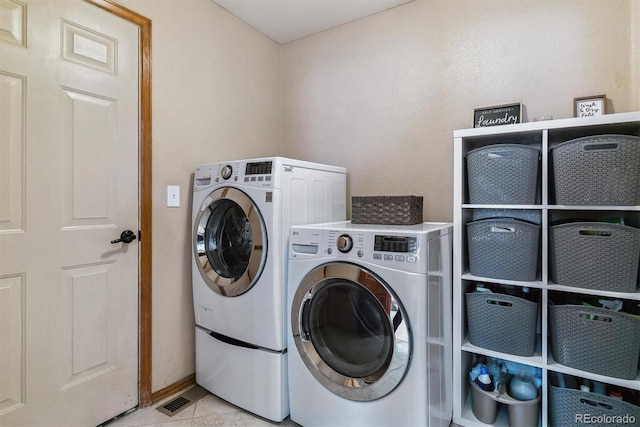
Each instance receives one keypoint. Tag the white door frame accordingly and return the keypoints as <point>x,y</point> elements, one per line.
<point>144,147</point>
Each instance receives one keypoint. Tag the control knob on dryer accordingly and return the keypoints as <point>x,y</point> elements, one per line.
<point>344,243</point>
<point>226,172</point>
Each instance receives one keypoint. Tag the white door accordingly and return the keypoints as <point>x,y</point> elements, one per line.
<point>68,186</point>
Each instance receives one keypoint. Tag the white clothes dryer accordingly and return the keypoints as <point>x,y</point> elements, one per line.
<point>370,325</point>
<point>242,212</point>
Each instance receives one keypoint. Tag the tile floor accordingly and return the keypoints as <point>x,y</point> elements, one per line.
<point>208,411</point>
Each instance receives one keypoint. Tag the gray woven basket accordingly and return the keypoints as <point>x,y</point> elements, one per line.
<point>595,255</point>
<point>503,174</point>
<point>386,210</point>
<point>565,404</point>
<point>502,323</point>
<point>595,340</point>
<point>597,170</point>
<point>503,249</point>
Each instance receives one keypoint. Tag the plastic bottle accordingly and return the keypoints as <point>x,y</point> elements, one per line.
<point>560,380</point>
<point>599,388</point>
<point>522,388</point>
<point>616,394</point>
<point>484,379</point>
<point>480,288</point>
<point>615,305</point>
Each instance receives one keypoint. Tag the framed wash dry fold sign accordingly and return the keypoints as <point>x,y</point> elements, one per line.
<point>589,106</point>
<point>497,115</point>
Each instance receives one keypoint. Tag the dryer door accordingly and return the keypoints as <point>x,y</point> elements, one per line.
<point>351,331</point>
<point>230,242</point>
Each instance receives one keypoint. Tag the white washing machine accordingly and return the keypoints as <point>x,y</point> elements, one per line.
<point>242,212</point>
<point>370,325</point>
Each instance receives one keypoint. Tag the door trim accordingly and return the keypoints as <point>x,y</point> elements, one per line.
<point>144,281</point>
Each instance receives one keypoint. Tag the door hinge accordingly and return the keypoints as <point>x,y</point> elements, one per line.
<point>139,235</point>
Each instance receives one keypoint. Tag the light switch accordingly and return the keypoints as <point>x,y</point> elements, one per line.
<point>173,196</point>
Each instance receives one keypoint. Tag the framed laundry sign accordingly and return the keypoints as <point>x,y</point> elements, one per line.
<point>507,114</point>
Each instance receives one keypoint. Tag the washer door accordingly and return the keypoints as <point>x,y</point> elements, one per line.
<point>229,242</point>
<point>351,331</point>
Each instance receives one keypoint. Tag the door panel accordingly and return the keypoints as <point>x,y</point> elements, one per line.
<point>89,332</point>
<point>88,134</point>
<point>13,25</point>
<point>68,186</point>
<point>12,334</point>
<point>11,152</point>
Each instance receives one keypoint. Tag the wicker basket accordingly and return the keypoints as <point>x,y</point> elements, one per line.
<point>503,323</point>
<point>386,210</point>
<point>597,170</point>
<point>503,249</point>
<point>503,174</point>
<point>566,403</point>
<point>595,340</point>
<point>595,255</point>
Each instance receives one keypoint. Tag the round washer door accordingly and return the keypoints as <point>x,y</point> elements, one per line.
<point>351,331</point>
<point>229,242</point>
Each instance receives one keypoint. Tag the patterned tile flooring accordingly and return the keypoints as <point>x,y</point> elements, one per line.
<point>208,411</point>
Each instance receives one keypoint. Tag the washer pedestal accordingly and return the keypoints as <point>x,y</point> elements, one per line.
<point>227,370</point>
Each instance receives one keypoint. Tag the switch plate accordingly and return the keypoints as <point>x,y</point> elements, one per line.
<point>173,196</point>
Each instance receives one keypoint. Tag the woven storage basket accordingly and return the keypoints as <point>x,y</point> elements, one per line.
<point>502,323</point>
<point>565,404</point>
<point>503,174</point>
<point>386,210</point>
<point>595,340</point>
<point>533,216</point>
<point>595,255</point>
<point>503,249</point>
<point>597,170</point>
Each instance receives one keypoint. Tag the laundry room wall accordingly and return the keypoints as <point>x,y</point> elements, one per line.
<point>216,97</point>
<point>383,95</point>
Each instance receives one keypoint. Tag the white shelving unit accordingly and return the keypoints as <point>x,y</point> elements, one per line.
<point>543,135</point>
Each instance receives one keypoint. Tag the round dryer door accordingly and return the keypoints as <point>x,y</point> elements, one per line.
<point>229,242</point>
<point>351,331</point>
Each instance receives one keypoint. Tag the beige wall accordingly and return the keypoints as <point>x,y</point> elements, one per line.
<point>216,97</point>
<point>382,95</point>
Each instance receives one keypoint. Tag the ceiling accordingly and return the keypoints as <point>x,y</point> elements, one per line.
<point>287,20</point>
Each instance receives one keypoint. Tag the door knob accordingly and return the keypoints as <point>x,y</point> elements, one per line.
<point>127,236</point>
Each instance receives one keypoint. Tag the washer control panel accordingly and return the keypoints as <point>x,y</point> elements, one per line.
<point>344,243</point>
<point>226,172</point>
<point>379,248</point>
<point>410,249</point>
<point>403,244</point>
